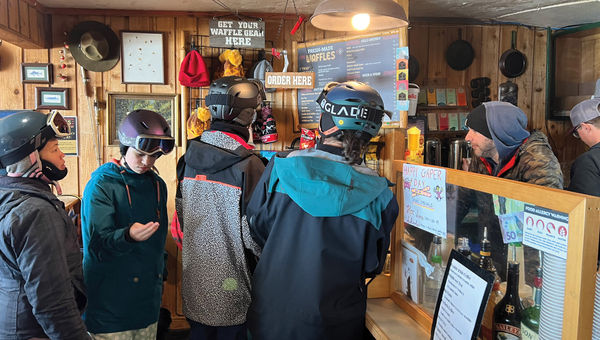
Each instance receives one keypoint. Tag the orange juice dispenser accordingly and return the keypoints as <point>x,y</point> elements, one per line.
<point>414,150</point>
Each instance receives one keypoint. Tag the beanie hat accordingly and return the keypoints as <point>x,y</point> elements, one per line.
<point>193,71</point>
<point>233,56</point>
<point>476,120</point>
<point>258,72</point>
<point>198,122</point>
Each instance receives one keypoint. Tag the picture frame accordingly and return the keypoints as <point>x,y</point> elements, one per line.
<point>120,104</point>
<point>37,73</point>
<point>142,58</point>
<point>52,98</point>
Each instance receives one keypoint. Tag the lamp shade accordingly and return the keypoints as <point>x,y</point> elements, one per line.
<point>336,15</point>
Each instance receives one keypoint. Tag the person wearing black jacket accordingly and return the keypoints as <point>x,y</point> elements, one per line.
<point>323,221</point>
<point>41,281</point>
<point>585,171</point>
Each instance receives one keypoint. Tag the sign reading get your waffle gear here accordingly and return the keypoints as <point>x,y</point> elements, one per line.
<point>237,34</point>
<point>290,80</point>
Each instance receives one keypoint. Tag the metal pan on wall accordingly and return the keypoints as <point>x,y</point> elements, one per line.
<point>460,53</point>
<point>512,63</point>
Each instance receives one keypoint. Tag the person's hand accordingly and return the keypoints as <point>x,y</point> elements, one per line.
<point>466,162</point>
<point>141,232</point>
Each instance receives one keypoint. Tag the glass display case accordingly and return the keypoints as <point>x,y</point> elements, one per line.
<point>552,234</point>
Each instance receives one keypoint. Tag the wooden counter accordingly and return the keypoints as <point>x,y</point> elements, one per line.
<point>386,321</point>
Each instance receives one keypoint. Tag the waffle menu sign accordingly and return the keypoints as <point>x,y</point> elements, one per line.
<point>237,34</point>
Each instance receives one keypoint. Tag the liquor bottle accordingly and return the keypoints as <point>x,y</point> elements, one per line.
<point>485,262</point>
<point>463,247</point>
<point>433,282</point>
<point>507,313</point>
<point>485,254</point>
<point>530,319</point>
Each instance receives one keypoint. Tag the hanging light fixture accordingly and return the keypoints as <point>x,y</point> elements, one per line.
<point>350,15</point>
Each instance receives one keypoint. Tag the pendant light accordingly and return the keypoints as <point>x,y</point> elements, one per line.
<point>358,15</point>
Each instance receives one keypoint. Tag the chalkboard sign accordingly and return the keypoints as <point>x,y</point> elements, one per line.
<point>376,59</point>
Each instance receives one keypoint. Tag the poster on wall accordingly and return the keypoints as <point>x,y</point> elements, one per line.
<point>425,198</point>
<point>68,145</point>
<point>376,59</point>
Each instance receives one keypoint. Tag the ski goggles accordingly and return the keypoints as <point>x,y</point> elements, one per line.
<point>149,144</point>
<point>58,124</point>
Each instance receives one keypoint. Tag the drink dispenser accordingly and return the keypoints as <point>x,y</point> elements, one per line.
<point>433,152</point>
<point>459,149</point>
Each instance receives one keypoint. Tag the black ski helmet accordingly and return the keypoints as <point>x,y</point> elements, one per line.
<point>146,131</point>
<point>24,131</point>
<point>351,105</point>
<point>234,99</point>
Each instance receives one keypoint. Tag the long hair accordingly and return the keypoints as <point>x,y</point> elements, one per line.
<point>354,146</point>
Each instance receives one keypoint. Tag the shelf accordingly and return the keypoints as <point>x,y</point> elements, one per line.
<point>446,133</point>
<point>446,107</point>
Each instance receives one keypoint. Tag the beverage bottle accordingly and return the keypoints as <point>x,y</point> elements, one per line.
<point>463,247</point>
<point>530,318</point>
<point>507,313</point>
<point>485,262</point>
<point>433,282</point>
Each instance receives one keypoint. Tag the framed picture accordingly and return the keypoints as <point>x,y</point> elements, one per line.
<point>51,98</point>
<point>120,104</point>
<point>142,60</point>
<point>36,73</point>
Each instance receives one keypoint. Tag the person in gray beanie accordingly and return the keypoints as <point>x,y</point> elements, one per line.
<point>503,147</point>
<point>585,171</point>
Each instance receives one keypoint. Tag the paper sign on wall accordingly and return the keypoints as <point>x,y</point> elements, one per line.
<point>425,198</point>
<point>546,230</point>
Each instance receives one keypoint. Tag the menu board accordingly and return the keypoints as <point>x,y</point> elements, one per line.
<point>377,60</point>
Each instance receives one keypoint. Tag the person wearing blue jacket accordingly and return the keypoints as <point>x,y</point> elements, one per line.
<point>124,225</point>
<point>323,221</point>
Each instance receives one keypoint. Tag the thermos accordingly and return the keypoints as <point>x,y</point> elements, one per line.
<point>433,152</point>
<point>459,149</point>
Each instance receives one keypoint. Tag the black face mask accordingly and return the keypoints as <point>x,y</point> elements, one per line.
<point>52,172</point>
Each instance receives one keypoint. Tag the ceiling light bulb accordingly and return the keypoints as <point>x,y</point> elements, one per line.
<point>361,21</point>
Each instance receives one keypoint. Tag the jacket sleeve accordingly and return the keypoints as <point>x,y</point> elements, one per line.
<point>585,176</point>
<point>378,240</point>
<point>98,217</point>
<point>257,210</point>
<point>39,249</point>
<point>540,166</point>
<point>177,222</point>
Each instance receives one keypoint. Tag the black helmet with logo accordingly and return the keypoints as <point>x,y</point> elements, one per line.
<point>147,132</point>
<point>234,99</point>
<point>23,131</point>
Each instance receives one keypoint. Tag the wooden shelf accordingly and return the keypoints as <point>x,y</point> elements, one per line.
<point>446,107</point>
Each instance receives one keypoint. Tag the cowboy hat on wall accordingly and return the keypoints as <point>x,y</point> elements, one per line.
<point>94,46</point>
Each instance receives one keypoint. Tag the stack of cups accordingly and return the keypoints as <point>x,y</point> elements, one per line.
<point>596,322</point>
<point>413,97</point>
<point>554,270</point>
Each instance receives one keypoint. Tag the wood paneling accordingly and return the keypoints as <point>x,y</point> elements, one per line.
<point>23,24</point>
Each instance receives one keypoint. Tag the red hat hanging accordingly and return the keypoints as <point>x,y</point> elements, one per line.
<point>193,72</point>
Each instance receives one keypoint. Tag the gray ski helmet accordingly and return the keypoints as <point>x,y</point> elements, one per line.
<point>351,105</point>
<point>146,131</point>
<point>234,99</point>
<point>23,131</point>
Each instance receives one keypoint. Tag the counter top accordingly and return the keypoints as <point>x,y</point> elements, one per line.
<point>386,321</point>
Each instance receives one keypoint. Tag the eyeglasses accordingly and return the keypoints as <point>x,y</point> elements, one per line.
<point>58,124</point>
<point>575,133</point>
<point>149,144</point>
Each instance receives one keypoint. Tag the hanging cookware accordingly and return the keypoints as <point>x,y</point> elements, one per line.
<point>512,62</point>
<point>508,92</point>
<point>413,68</point>
<point>460,54</point>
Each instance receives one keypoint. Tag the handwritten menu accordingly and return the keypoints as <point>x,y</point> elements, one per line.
<point>378,61</point>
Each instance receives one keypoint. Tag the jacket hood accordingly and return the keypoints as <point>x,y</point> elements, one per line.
<point>508,127</point>
<point>32,186</point>
<point>210,159</point>
<point>326,188</point>
<point>115,170</point>
<point>536,138</point>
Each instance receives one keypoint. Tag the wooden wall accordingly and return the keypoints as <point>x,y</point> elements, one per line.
<point>428,43</point>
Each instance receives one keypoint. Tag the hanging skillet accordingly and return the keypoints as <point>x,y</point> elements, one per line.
<point>512,62</point>
<point>460,54</point>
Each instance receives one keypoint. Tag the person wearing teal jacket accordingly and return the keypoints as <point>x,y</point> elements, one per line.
<point>124,226</point>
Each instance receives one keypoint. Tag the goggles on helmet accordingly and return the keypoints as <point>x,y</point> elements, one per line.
<point>58,124</point>
<point>150,144</point>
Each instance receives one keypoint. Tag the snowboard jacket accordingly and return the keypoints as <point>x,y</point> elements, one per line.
<point>216,176</point>
<point>324,228</point>
<point>123,277</point>
<point>42,293</point>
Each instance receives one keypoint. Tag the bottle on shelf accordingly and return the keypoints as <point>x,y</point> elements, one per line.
<point>463,247</point>
<point>507,313</point>
<point>433,282</point>
<point>485,262</point>
<point>530,318</point>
